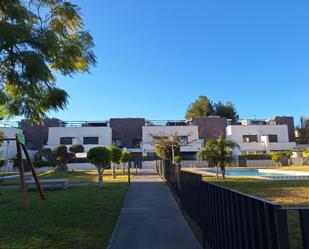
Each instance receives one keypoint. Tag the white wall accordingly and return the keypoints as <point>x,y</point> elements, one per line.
<point>190,131</point>
<point>103,133</point>
<point>236,132</point>
<point>10,146</point>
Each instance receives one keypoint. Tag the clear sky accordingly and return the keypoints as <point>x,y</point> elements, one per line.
<point>157,56</point>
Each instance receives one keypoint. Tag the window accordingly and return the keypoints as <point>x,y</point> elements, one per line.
<point>273,138</point>
<point>184,140</point>
<point>91,140</point>
<point>249,138</point>
<point>117,143</point>
<point>202,142</point>
<point>137,143</point>
<point>66,140</point>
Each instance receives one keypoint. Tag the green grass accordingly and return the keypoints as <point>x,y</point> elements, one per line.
<point>79,218</point>
<point>8,173</point>
<point>287,193</point>
<point>77,176</point>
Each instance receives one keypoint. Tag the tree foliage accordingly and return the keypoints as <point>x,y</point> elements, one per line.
<point>39,38</point>
<point>115,158</point>
<point>227,110</point>
<point>46,154</point>
<point>164,148</point>
<point>125,156</point>
<point>178,160</point>
<point>116,154</point>
<point>204,107</point>
<point>303,131</point>
<point>99,156</point>
<point>2,162</point>
<point>1,137</point>
<point>218,153</point>
<point>275,156</point>
<point>62,156</point>
<point>76,148</point>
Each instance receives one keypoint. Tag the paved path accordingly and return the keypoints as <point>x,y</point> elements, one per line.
<point>151,218</point>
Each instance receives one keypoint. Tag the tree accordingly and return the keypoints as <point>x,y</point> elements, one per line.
<point>202,107</point>
<point>303,131</point>
<point>218,153</point>
<point>227,110</point>
<point>115,158</point>
<point>168,147</point>
<point>2,162</point>
<point>1,137</point>
<point>210,153</point>
<point>76,148</point>
<point>125,157</point>
<point>39,39</point>
<point>101,158</point>
<point>62,157</point>
<point>46,154</point>
<point>178,160</point>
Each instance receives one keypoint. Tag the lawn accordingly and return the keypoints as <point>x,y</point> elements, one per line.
<point>78,176</point>
<point>7,173</point>
<point>80,217</point>
<point>287,193</point>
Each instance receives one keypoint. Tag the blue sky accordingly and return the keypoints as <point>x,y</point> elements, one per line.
<point>156,56</point>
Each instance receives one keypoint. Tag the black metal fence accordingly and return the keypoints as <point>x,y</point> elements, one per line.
<point>229,219</point>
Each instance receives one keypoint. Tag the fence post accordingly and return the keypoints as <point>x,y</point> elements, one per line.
<point>282,228</point>
<point>129,176</point>
<point>304,226</point>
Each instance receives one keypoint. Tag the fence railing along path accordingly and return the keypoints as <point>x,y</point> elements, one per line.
<point>230,219</point>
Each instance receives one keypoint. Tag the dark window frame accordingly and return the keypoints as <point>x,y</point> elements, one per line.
<point>90,140</point>
<point>273,138</point>
<point>249,138</point>
<point>63,140</point>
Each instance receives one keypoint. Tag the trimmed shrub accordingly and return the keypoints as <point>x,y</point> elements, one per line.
<point>2,161</point>
<point>62,157</point>
<point>178,160</point>
<point>257,156</point>
<point>77,148</point>
<point>40,164</point>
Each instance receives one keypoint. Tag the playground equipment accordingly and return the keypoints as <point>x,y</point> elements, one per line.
<point>21,147</point>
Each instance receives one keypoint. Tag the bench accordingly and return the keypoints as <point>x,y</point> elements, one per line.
<point>52,183</point>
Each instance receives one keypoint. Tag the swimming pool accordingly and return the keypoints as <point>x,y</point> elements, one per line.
<point>271,174</point>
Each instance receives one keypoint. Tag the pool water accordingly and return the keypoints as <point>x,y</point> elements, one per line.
<point>264,173</point>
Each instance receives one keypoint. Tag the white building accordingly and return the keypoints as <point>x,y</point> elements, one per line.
<point>189,133</point>
<point>8,149</point>
<point>87,136</point>
<point>260,138</point>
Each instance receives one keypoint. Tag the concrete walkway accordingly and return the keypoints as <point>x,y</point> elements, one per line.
<point>151,218</point>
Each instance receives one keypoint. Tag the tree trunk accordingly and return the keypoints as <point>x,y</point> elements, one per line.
<point>114,170</point>
<point>100,178</point>
<point>124,168</point>
<point>217,173</point>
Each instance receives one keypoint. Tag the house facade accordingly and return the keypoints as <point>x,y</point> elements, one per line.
<point>189,133</point>
<point>260,136</point>
<point>86,135</point>
<point>8,148</point>
<point>136,134</point>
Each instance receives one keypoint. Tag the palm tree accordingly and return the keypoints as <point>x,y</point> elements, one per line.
<point>225,148</point>
<point>218,153</point>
